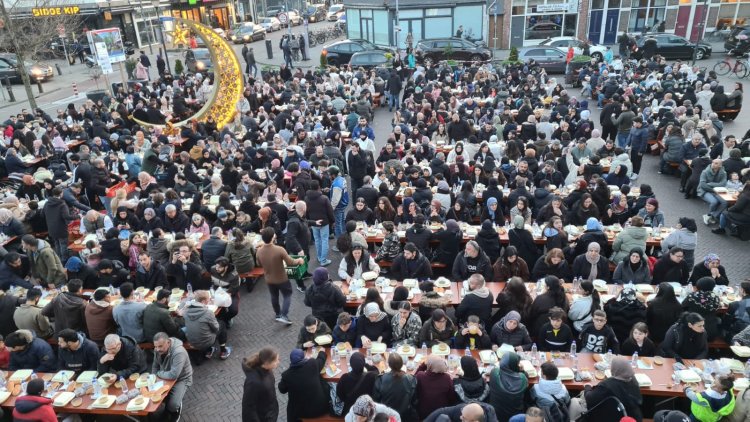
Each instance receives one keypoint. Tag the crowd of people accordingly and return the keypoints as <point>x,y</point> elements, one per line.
<point>297,175</point>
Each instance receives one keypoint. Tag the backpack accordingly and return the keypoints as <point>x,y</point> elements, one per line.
<point>557,412</point>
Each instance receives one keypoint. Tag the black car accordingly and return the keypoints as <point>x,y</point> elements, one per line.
<point>738,39</point>
<point>672,46</point>
<point>341,52</point>
<point>439,49</point>
<point>370,59</point>
<point>315,13</point>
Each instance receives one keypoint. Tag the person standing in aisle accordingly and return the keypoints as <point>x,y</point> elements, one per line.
<point>303,47</point>
<point>272,258</point>
<point>146,63</point>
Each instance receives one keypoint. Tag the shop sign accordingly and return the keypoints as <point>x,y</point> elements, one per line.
<point>55,11</point>
<point>554,7</point>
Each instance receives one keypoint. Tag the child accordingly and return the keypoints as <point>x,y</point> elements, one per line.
<point>473,335</point>
<point>714,403</point>
<point>92,248</point>
<point>137,244</point>
<point>4,354</point>
<point>549,391</point>
<point>597,336</point>
<point>734,181</point>
<point>345,330</point>
<point>639,342</point>
<point>555,335</point>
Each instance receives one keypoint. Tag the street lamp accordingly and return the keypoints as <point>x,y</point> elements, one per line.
<point>156,4</point>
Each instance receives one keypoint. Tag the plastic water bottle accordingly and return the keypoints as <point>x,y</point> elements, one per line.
<point>747,369</point>
<point>534,351</point>
<point>97,390</point>
<point>190,291</point>
<point>34,376</point>
<point>111,290</point>
<point>23,387</point>
<point>690,288</point>
<point>123,385</point>
<point>634,361</point>
<point>630,285</point>
<point>573,350</point>
<point>539,285</point>
<point>467,352</point>
<point>212,291</point>
<point>609,356</point>
<point>424,348</point>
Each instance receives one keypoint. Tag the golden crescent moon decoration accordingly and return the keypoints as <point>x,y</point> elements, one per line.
<point>228,81</point>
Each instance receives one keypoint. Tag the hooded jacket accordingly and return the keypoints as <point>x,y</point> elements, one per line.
<point>463,266</point>
<point>476,302</point>
<point>419,267</point>
<point>201,326</point>
<point>129,316</point>
<point>319,208</point>
<point>129,360</point>
<point>546,391</point>
<point>34,409</point>
<point>57,215</point>
<point>518,337</point>
<point>156,276</point>
<point>99,320</point>
<point>68,311</point>
<point>46,265</point>
<point>429,333</point>
<point>308,393</point>
<point>297,234</point>
<point>157,249</point>
<point>326,300</point>
<point>84,359</point>
<point>175,364</point>
<point>157,318</point>
<point>37,355</point>
<point>627,240</point>
<point>624,272</point>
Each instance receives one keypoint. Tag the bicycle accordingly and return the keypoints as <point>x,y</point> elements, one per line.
<point>725,66</point>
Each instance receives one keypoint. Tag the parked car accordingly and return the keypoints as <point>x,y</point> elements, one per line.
<point>672,46</point>
<point>544,30</point>
<point>738,39</point>
<point>275,10</point>
<point>552,59</point>
<point>596,50</point>
<point>198,60</point>
<point>270,24</point>
<point>438,49</point>
<point>315,13</point>
<point>36,70</point>
<point>247,32</point>
<point>334,12</point>
<point>341,52</point>
<point>370,59</point>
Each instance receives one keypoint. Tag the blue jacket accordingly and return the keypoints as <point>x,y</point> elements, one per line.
<point>83,359</point>
<point>689,152</point>
<point>638,139</point>
<point>38,356</point>
<point>357,130</point>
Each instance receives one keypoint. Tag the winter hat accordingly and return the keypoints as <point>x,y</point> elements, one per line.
<point>443,185</point>
<point>593,224</point>
<point>320,276</point>
<point>296,357</point>
<point>304,165</point>
<point>74,264</point>
<point>222,213</point>
<point>364,406</point>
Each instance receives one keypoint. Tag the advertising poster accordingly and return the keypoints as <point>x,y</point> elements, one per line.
<point>112,39</point>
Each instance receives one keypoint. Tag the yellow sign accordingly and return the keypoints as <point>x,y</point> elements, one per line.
<point>55,11</point>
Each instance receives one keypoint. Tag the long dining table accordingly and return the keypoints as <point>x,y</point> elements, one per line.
<point>659,375</point>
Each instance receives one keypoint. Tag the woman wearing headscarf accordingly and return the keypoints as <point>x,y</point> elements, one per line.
<point>405,325</point>
<point>555,235</point>
<point>623,312</point>
<point>685,237</point>
<point>591,265</point>
<point>554,295</point>
<point>308,395</point>
<point>373,326</point>
<point>365,407</point>
<point>619,177</point>
<point>470,386</point>
<point>650,212</point>
<point>507,387</point>
<point>519,237</point>
<point>9,225</point>
<point>407,212</point>
<point>449,243</point>
<point>510,265</point>
<point>489,240</point>
<point>267,218</point>
<point>710,267</point>
<point>633,268</point>
<point>594,233</point>
<point>622,385</point>
<point>493,212</point>
<point>509,330</point>
<point>705,303</point>
<point>459,212</point>
<point>618,211</point>
<point>434,386</point>
<point>663,311</point>
<point>584,209</point>
<point>360,380</point>
<point>397,389</point>
<point>686,338</point>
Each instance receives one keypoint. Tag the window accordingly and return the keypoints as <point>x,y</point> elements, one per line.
<point>343,48</point>
<point>438,12</point>
<point>551,52</point>
<point>537,52</point>
<point>355,47</point>
<point>441,44</point>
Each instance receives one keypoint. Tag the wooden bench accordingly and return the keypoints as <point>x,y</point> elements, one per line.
<point>718,343</point>
<point>251,278</point>
<point>727,114</point>
<point>389,264</point>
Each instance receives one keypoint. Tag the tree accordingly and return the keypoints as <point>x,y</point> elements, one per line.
<point>25,35</point>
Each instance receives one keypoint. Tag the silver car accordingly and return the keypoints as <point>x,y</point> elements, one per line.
<point>270,24</point>
<point>552,59</point>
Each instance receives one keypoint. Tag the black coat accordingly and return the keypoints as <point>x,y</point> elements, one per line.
<point>8,304</point>
<point>308,392</point>
<point>259,403</point>
<point>418,267</point>
<point>582,268</point>
<point>297,237</point>
<point>473,304</point>
<point>57,215</point>
<point>326,301</point>
<point>524,242</point>
<point>629,393</point>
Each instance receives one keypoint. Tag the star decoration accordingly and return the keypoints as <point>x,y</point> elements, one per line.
<point>180,35</point>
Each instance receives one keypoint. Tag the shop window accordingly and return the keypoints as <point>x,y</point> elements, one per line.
<point>403,14</point>
<point>645,19</point>
<point>597,4</point>
<point>381,27</point>
<point>543,27</point>
<point>446,11</point>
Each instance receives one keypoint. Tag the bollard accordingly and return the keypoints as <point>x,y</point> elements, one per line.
<point>75,89</point>
<point>39,85</point>
<point>10,90</point>
<point>59,70</point>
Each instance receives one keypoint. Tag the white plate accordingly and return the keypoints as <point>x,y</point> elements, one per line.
<point>643,380</point>
<point>63,398</point>
<point>688,375</point>
<point>565,374</point>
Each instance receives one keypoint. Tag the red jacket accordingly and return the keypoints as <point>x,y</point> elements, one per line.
<point>34,409</point>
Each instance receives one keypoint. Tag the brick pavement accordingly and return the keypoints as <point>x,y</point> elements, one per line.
<point>217,390</point>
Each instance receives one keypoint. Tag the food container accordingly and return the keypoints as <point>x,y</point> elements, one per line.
<point>104,402</point>
<point>441,349</point>
<point>565,374</point>
<point>324,340</point>
<point>488,357</point>
<point>137,404</point>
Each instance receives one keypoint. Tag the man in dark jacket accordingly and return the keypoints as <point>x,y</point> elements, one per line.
<point>326,300</point>
<point>121,356</point>
<point>157,318</point>
<point>394,90</point>
<point>150,274</point>
<point>356,164</point>
<point>464,412</point>
<point>472,260</point>
<point>8,304</point>
<point>175,220</point>
<point>27,351</point>
<point>411,264</point>
<point>638,145</point>
<point>477,301</point>
<point>212,248</point>
<point>320,211</point>
<point>68,308</point>
<point>72,196</point>
<point>75,352</point>
<point>368,192</point>
<point>308,394</point>
<point>297,230</point>
<point>58,215</point>
<point>13,271</point>
<point>76,269</point>
<point>182,271</point>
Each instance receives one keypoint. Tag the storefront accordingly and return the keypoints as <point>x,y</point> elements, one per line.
<point>376,23</point>
<point>725,14</point>
<point>603,21</point>
<point>216,14</point>
<point>533,21</point>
